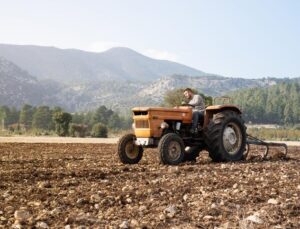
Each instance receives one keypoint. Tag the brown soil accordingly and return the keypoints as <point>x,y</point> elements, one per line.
<point>85,185</point>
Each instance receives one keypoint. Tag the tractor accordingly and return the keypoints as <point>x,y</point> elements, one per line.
<point>222,133</point>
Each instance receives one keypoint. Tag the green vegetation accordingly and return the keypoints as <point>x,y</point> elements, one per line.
<point>175,98</point>
<point>43,120</point>
<point>279,104</point>
<point>280,134</point>
<point>99,130</point>
<point>62,121</point>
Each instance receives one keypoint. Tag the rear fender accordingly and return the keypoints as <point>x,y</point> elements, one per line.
<point>211,110</point>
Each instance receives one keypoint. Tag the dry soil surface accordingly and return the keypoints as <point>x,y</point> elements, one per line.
<point>85,186</point>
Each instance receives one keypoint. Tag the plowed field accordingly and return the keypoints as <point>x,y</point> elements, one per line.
<point>84,185</point>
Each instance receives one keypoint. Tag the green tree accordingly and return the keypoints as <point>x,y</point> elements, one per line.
<point>26,114</point>
<point>102,115</point>
<point>175,97</point>
<point>288,113</point>
<point>114,121</point>
<point>42,118</point>
<point>62,121</point>
<point>78,118</point>
<point>99,131</point>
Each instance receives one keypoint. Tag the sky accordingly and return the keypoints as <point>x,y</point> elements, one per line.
<point>245,38</point>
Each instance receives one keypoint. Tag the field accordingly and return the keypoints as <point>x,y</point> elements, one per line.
<point>81,185</point>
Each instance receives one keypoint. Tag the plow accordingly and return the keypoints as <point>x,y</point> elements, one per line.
<point>253,141</point>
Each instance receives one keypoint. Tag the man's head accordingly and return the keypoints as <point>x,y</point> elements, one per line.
<point>188,93</point>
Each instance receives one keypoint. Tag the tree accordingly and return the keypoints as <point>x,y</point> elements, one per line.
<point>102,115</point>
<point>288,114</point>
<point>62,121</point>
<point>99,130</point>
<point>42,118</point>
<point>78,118</point>
<point>26,114</point>
<point>175,98</point>
<point>277,104</point>
<point>115,122</point>
<point>78,130</point>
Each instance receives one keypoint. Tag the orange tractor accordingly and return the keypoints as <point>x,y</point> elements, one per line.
<point>222,133</point>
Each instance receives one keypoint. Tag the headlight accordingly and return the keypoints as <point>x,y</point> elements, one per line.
<point>164,125</point>
<point>133,125</point>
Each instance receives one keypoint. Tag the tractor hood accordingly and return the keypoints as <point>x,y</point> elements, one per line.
<point>159,109</point>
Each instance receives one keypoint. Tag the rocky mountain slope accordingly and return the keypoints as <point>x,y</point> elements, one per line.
<point>17,87</point>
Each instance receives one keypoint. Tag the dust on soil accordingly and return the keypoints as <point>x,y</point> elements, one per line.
<point>71,185</point>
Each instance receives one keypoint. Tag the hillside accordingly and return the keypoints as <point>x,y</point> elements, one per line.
<point>17,87</point>
<point>71,65</point>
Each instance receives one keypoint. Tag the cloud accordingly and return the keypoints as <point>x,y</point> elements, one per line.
<point>161,54</point>
<point>101,46</point>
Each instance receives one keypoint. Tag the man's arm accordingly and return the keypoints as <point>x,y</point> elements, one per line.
<point>197,100</point>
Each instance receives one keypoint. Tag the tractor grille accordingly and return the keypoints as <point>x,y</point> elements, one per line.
<point>141,124</point>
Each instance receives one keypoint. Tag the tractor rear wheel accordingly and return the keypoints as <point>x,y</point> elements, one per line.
<point>128,151</point>
<point>225,137</point>
<point>191,153</point>
<point>171,149</point>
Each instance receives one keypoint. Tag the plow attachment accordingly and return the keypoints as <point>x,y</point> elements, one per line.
<point>267,145</point>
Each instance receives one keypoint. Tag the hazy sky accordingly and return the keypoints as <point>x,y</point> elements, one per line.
<point>236,38</point>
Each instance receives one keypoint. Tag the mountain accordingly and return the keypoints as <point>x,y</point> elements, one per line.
<point>122,96</point>
<point>209,85</point>
<point>119,78</point>
<point>17,87</point>
<point>71,65</point>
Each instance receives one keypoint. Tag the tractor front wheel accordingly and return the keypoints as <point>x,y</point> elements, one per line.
<point>171,149</point>
<point>128,151</point>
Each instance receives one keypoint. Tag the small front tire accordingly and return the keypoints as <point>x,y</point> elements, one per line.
<point>128,151</point>
<point>171,149</point>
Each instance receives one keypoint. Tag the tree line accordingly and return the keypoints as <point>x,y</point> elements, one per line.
<point>279,104</point>
<point>44,119</point>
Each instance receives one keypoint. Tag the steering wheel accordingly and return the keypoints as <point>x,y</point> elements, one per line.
<point>187,105</point>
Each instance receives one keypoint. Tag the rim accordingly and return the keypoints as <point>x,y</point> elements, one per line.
<point>131,150</point>
<point>174,150</point>
<point>232,138</point>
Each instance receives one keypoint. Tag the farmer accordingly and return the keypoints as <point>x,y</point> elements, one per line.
<point>197,102</point>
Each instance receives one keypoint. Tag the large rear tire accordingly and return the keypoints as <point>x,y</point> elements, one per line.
<point>171,149</point>
<point>225,137</point>
<point>128,151</point>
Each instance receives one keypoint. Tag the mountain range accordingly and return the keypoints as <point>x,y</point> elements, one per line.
<point>72,65</point>
<point>119,78</point>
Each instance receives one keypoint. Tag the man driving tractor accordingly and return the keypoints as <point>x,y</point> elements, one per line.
<point>197,102</point>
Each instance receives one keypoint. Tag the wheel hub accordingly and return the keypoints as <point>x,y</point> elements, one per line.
<point>232,138</point>
<point>174,150</point>
<point>131,150</point>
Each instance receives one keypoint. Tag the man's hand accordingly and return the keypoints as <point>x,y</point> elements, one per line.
<point>183,103</point>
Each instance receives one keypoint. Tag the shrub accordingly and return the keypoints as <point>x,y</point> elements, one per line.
<point>78,130</point>
<point>99,130</point>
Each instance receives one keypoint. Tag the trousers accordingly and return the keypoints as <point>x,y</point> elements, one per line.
<point>197,115</point>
